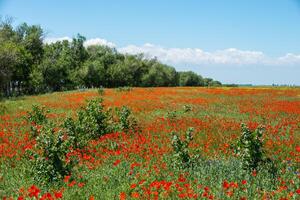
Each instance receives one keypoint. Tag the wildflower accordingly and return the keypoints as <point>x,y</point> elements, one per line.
<point>117,162</point>
<point>244,182</point>
<point>225,185</point>
<point>67,178</point>
<point>234,185</point>
<point>72,183</point>
<point>135,195</point>
<point>122,196</point>
<point>91,197</point>
<point>34,191</point>
<point>81,185</point>
<point>181,178</point>
<point>58,195</point>
<point>229,193</point>
<point>206,189</point>
<point>46,196</point>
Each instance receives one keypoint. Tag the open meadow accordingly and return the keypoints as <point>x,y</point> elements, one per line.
<point>168,143</point>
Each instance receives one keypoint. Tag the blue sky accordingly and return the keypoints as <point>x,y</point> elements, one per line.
<point>236,41</point>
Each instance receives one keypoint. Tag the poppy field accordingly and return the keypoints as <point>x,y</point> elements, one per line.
<point>187,143</point>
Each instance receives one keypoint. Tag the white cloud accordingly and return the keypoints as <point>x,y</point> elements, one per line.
<point>90,42</point>
<point>290,58</point>
<point>196,56</point>
<point>230,56</point>
<point>99,41</point>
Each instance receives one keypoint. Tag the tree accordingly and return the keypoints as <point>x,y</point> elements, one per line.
<point>28,66</point>
<point>190,79</point>
<point>9,58</point>
<point>160,75</point>
<point>91,74</point>
<point>55,67</point>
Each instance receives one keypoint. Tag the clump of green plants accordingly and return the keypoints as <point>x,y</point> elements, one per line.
<point>126,120</point>
<point>3,109</point>
<point>171,115</point>
<point>55,143</point>
<point>49,159</point>
<point>249,148</point>
<point>92,119</point>
<point>101,91</point>
<point>187,108</point>
<point>181,155</point>
<point>36,118</point>
<point>124,89</point>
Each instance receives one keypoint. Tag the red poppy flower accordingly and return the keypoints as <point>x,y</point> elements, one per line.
<point>225,185</point>
<point>58,195</point>
<point>34,191</point>
<point>117,162</point>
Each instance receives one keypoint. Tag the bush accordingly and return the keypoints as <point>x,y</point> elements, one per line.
<point>181,156</point>
<point>101,91</point>
<point>124,89</point>
<point>126,121</point>
<point>171,115</point>
<point>37,117</point>
<point>77,138</point>
<point>187,108</point>
<point>3,109</point>
<point>93,120</point>
<point>250,148</point>
<point>49,160</point>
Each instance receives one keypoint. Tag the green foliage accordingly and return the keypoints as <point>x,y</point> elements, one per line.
<point>171,115</point>
<point>181,156</point>
<point>93,120</point>
<point>50,161</point>
<point>77,138</point>
<point>187,108</point>
<point>190,79</point>
<point>160,75</point>
<point>101,91</point>
<point>124,89</point>
<point>3,109</point>
<point>37,117</point>
<point>211,83</point>
<point>91,74</point>
<point>28,66</point>
<point>250,148</point>
<point>126,121</point>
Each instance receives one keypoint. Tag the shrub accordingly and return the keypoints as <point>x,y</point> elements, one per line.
<point>126,121</point>
<point>171,115</point>
<point>77,138</point>
<point>124,89</point>
<point>181,156</point>
<point>101,91</point>
<point>187,108</point>
<point>49,160</point>
<point>92,120</point>
<point>3,109</point>
<point>37,117</point>
<point>250,148</point>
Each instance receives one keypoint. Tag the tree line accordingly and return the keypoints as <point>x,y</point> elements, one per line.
<point>29,66</point>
